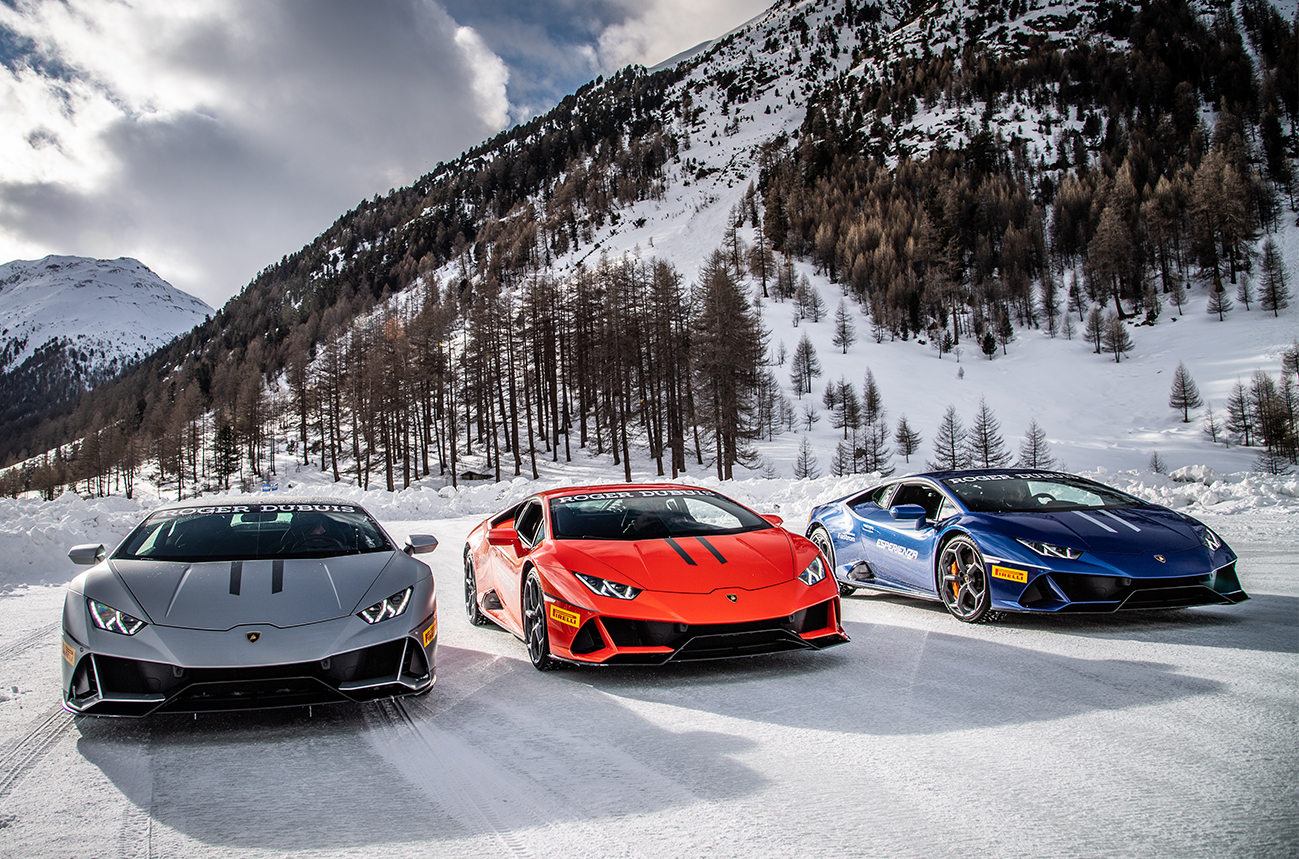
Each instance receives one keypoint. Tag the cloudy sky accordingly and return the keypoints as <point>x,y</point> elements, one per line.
<point>208,138</point>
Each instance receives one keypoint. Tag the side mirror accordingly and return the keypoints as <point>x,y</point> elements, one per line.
<point>87,554</point>
<point>418,544</point>
<point>773,519</point>
<point>909,513</point>
<point>505,535</point>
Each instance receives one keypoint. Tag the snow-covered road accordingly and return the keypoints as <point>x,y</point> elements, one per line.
<point>1167,734</point>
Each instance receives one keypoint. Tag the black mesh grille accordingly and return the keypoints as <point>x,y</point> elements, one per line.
<point>381,668</point>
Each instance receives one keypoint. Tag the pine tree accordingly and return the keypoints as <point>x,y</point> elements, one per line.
<point>1177,295</point>
<point>1240,419</point>
<point>1116,337</point>
<point>874,452</point>
<point>1157,464</point>
<point>847,413</point>
<point>806,466</point>
<point>1219,303</point>
<point>1034,450</point>
<point>804,366</point>
<point>1212,427</point>
<point>1274,286</point>
<point>872,403</point>
<point>949,444</point>
<point>908,439</point>
<point>842,464</point>
<point>1094,330</point>
<point>845,333</point>
<point>1245,290</point>
<point>984,446</point>
<point>1184,394</point>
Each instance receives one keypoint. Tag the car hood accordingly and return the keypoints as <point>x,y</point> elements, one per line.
<point>1126,531</point>
<point>755,559</point>
<point>225,594</point>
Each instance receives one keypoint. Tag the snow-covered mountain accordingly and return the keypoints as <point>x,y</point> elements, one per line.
<point>70,322</point>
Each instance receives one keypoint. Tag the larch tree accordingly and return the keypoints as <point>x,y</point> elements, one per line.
<point>1117,340</point>
<point>1274,284</point>
<point>1184,395</point>
<point>806,466</point>
<point>907,438</point>
<point>984,445</point>
<point>1034,450</point>
<point>949,443</point>
<point>845,333</point>
<point>804,366</point>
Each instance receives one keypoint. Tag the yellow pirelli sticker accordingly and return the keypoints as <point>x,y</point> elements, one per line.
<point>431,632</point>
<point>562,615</point>
<point>69,653</point>
<point>1020,576</point>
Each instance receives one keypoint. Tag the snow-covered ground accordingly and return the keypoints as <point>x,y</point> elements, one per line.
<point>1160,734</point>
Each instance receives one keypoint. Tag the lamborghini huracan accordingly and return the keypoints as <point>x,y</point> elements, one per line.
<point>989,541</point>
<point>233,606</point>
<point>647,574</point>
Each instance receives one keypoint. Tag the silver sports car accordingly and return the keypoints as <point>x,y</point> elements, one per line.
<point>234,606</point>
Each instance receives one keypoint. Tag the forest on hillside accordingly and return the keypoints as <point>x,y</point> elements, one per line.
<point>1173,162</point>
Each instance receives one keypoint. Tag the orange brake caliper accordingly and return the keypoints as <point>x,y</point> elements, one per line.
<point>956,584</point>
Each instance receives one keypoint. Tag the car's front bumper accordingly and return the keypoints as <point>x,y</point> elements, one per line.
<point>693,627</point>
<point>118,682</point>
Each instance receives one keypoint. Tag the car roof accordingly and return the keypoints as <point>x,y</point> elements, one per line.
<point>260,501</point>
<point>622,487</point>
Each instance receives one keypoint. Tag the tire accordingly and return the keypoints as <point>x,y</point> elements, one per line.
<point>963,583</point>
<point>821,538</point>
<point>535,632</point>
<point>475,614</point>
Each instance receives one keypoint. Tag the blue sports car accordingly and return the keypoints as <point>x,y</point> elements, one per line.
<point>1023,540</point>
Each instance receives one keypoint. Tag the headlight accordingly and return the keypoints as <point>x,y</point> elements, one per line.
<point>110,619</point>
<point>1212,540</point>
<point>814,573</point>
<point>606,588</point>
<point>385,609</point>
<point>1047,550</point>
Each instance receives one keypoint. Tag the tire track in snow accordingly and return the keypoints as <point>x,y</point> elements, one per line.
<point>135,836</point>
<point>469,787</point>
<point>29,640</point>
<point>462,798</point>
<point>18,758</point>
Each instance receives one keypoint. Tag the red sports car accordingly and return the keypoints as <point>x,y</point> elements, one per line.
<point>647,574</point>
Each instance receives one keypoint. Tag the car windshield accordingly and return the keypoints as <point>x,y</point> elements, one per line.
<point>254,532</point>
<point>1034,493</point>
<point>648,514</point>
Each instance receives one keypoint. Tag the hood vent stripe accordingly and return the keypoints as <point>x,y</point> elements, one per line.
<point>277,575</point>
<point>180,584</point>
<point>709,547</point>
<point>1123,522</point>
<point>680,551</point>
<point>236,576</point>
<point>1095,521</point>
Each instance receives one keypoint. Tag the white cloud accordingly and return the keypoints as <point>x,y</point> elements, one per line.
<point>210,138</point>
<point>659,29</point>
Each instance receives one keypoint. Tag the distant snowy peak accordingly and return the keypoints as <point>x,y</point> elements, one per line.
<point>113,312</point>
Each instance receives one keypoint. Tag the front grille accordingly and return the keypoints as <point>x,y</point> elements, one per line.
<point>718,640</point>
<point>129,687</point>
<point>1077,592</point>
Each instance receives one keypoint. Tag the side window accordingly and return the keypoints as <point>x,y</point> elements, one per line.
<point>865,504</point>
<point>918,493</point>
<point>946,509</point>
<point>529,522</point>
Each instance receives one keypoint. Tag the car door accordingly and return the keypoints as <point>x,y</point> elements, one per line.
<point>529,526</point>
<point>906,546</point>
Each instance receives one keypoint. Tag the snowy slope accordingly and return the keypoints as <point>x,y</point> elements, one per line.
<point>113,311</point>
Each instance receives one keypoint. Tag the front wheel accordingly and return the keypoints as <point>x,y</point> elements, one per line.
<point>821,539</point>
<point>963,581</point>
<point>535,632</point>
<point>475,614</point>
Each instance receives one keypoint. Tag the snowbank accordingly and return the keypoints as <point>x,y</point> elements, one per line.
<point>36,535</point>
